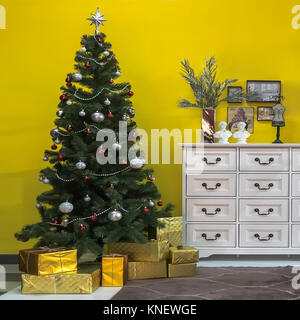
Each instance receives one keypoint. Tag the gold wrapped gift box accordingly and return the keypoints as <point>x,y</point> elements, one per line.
<point>152,251</point>
<point>114,270</point>
<point>172,230</point>
<point>147,270</point>
<point>181,270</point>
<point>85,281</point>
<point>183,254</point>
<point>44,261</point>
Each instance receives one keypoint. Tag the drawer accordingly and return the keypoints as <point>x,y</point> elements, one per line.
<point>264,185</point>
<point>219,159</point>
<point>211,235</point>
<point>257,236</point>
<point>296,235</point>
<point>296,184</point>
<point>264,159</point>
<point>296,159</point>
<point>296,209</point>
<point>264,209</point>
<point>211,184</point>
<point>211,210</point>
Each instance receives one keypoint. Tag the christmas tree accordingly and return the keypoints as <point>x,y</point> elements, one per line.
<point>90,203</point>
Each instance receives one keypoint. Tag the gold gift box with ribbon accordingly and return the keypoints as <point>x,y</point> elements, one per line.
<point>181,270</point>
<point>152,251</point>
<point>147,270</point>
<point>171,231</point>
<point>85,281</point>
<point>44,261</point>
<point>183,254</point>
<point>114,270</point>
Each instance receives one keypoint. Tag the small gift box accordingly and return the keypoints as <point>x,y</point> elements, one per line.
<point>171,231</point>
<point>85,281</point>
<point>181,270</point>
<point>147,270</point>
<point>114,270</point>
<point>152,251</point>
<point>183,254</point>
<point>44,261</point>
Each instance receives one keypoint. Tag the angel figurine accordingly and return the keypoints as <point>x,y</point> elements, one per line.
<point>223,135</point>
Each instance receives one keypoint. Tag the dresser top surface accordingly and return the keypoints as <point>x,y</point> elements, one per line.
<point>235,145</point>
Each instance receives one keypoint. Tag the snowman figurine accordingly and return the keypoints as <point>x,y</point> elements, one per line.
<point>223,135</point>
<point>241,135</point>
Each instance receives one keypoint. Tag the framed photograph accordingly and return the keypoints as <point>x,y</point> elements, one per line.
<point>239,114</point>
<point>265,114</point>
<point>263,91</point>
<point>234,94</point>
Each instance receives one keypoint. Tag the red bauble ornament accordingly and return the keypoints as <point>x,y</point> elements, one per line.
<point>131,93</point>
<point>55,222</point>
<point>68,80</point>
<point>54,147</point>
<point>110,115</point>
<point>112,186</point>
<point>150,178</point>
<point>160,203</point>
<point>82,227</point>
<point>60,157</point>
<point>100,40</point>
<point>93,218</point>
<point>88,65</point>
<point>111,81</point>
<point>69,84</point>
<point>69,128</point>
<point>86,178</point>
<point>88,131</point>
<point>63,97</point>
<point>146,209</point>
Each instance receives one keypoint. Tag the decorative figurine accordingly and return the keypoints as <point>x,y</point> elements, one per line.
<point>223,135</point>
<point>241,135</point>
<point>278,120</point>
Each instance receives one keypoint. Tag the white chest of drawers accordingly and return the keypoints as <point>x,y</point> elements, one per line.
<point>241,199</point>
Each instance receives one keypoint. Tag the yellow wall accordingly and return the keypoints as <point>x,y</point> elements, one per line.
<point>252,39</point>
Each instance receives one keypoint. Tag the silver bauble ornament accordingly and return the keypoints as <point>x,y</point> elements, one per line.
<point>38,205</point>
<point>83,49</point>
<point>76,77</point>
<point>125,117</point>
<point>45,158</point>
<point>46,181</point>
<point>87,198</point>
<point>66,207</point>
<point>115,215</point>
<point>69,102</point>
<point>54,132</point>
<point>107,102</point>
<point>118,73</point>
<point>59,113</point>
<point>132,111</point>
<point>57,141</point>
<point>106,53</point>
<point>97,116</point>
<point>116,146</point>
<point>136,163</point>
<point>151,203</point>
<point>81,113</point>
<point>80,165</point>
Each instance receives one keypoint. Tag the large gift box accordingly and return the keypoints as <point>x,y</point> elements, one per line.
<point>152,251</point>
<point>183,254</point>
<point>181,270</point>
<point>114,270</point>
<point>147,270</point>
<point>171,231</point>
<point>44,261</point>
<point>85,281</point>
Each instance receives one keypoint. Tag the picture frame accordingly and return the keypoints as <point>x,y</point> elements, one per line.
<point>234,94</point>
<point>239,114</point>
<point>263,91</point>
<point>265,113</point>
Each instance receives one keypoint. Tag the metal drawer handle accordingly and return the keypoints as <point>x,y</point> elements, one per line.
<point>263,213</point>
<point>217,160</point>
<point>211,188</point>
<point>218,235</point>
<point>264,163</point>
<point>211,213</point>
<point>270,236</point>
<point>257,185</point>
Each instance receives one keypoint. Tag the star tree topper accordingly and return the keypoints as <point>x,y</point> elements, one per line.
<point>97,19</point>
